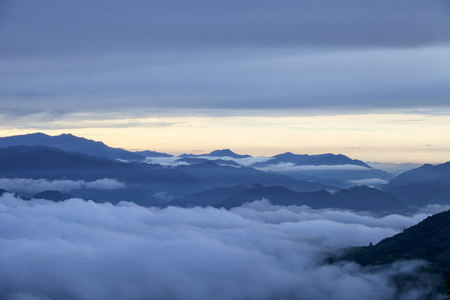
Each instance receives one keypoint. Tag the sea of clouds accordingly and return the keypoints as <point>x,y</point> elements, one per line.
<point>78,249</point>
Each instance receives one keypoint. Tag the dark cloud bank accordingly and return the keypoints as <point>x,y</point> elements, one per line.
<point>85,250</point>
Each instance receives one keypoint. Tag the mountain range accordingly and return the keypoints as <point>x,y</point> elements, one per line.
<point>61,167</point>
<point>357,198</point>
<point>219,178</point>
<point>69,143</point>
<point>142,180</point>
<point>423,185</point>
<point>311,160</point>
<point>218,153</point>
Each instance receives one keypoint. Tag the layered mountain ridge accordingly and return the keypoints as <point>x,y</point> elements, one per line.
<point>227,178</point>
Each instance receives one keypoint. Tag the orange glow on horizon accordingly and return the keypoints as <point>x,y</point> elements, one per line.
<point>371,137</point>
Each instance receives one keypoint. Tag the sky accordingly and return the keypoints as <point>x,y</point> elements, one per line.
<point>369,79</point>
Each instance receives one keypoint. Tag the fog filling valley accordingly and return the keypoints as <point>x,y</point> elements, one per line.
<point>33,186</point>
<point>79,249</point>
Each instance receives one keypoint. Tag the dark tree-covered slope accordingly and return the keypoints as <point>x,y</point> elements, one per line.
<point>429,240</point>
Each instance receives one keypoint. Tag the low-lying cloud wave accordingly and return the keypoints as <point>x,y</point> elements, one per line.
<point>172,161</point>
<point>291,167</point>
<point>369,181</point>
<point>84,250</point>
<point>32,186</point>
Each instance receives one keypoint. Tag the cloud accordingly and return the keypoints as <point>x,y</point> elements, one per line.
<point>291,167</point>
<point>434,208</point>
<point>172,161</point>
<point>166,161</point>
<point>163,196</point>
<point>368,181</point>
<point>166,25</point>
<point>247,161</point>
<point>33,186</point>
<point>84,250</point>
<point>293,55</point>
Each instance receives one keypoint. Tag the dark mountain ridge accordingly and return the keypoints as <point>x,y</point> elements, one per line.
<point>69,143</point>
<point>148,153</point>
<point>218,153</point>
<point>333,169</point>
<point>197,160</point>
<point>225,176</point>
<point>427,184</point>
<point>360,198</point>
<point>428,240</point>
<point>213,196</point>
<point>142,180</point>
<point>313,160</point>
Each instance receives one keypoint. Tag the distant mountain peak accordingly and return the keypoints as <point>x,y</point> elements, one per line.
<point>226,152</point>
<point>218,153</point>
<point>316,159</point>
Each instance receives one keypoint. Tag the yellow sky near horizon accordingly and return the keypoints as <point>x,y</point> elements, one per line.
<point>417,138</point>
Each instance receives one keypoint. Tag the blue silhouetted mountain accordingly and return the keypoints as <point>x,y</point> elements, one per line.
<point>328,159</point>
<point>226,153</point>
<point>218,153</point>
<point>213,196</point>
<point>427,184</point>
<point>142,180</point>
<point>216,175</point>
<point>52,195</point>
<point>148,153</point>
<point>197,160</point>
<point>332,169</point>
<point>361,198</point>
<point>70,143</point>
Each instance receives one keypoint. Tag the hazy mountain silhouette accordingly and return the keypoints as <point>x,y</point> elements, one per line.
<point>70,143</point>
<point>148,153</point>
<point>198,160</point>
<point>142,180</point>
<point>225,176</point>
<point>213,196</point>
<point>340,177</point>
<point>75,158</point>
<point>218,153</point>
<point>424,185</point>
<point>311,160</point>
<point>332,169</point>
<point>361,198</point>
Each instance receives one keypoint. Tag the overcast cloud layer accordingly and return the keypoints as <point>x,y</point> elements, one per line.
<point>116,56</point>
<point>85,250</point>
